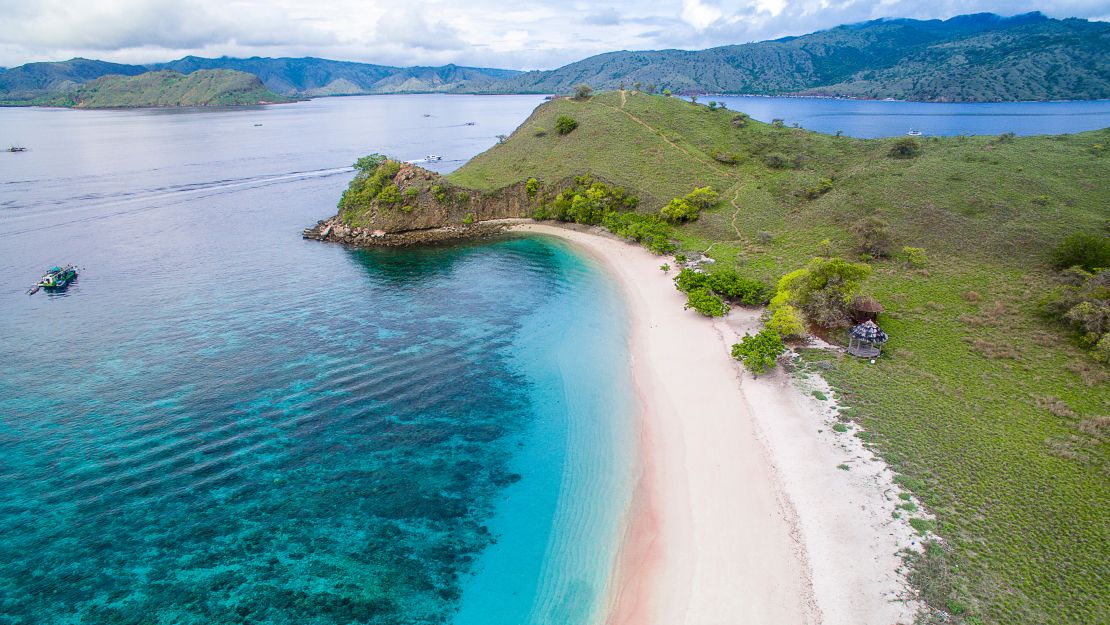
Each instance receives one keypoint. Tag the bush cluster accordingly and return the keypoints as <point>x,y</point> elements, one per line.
<point>1082,301</point>
<point>1083,249</point>
<point>592,202</point>
<point>689,207</point>
<point>706,292</point>
<point>873,237</point>
<point>906,147</point>
<point>823,290</point>
<point>565,124</point>
<point>374,174</point>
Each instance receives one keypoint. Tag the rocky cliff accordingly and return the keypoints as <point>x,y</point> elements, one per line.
<point>402,204</point>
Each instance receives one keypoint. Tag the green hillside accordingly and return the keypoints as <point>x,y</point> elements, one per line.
<point>169,88</point>
<point>993,413</point>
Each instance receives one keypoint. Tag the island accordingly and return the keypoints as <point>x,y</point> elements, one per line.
<point>958,477</point>
<point>162,88</point>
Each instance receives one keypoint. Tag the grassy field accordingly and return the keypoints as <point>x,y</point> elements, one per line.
<point>992,413</point>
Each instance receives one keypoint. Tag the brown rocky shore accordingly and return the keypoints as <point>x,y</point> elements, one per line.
<point>335,231</point>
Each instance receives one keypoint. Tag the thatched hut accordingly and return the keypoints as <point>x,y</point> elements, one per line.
<point>866,340</point>
<point>865,308</point>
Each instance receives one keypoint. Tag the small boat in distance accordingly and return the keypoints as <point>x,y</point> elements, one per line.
<point>914,133</point>
<point>470,124</point>
<point>433,157</point>
<point>56,279</point>
<point>256,125</point>
<point>17,148</point>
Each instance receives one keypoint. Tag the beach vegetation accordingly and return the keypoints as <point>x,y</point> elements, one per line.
<point>839,427</point>
<point>704,301</point>
<point>787,321</point>
<point>759,352</point>
<point>468,219</point>
<point>532,187</point>
<point>665,268</point>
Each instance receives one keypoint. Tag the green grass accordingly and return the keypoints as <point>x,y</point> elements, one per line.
<point>990,413</point>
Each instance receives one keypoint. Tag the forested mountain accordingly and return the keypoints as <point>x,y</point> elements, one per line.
<point>982,57</point>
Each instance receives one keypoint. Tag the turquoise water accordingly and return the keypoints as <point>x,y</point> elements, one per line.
<point>222,423</point>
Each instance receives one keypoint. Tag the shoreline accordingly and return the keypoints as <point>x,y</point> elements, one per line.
<point>723,525</point>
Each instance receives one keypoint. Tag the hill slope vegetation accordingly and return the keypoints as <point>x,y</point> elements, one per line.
<point>989,410</point>
<point>169,88</point>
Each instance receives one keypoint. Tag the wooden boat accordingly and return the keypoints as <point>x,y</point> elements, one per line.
<point>56,279</point>
<point>17,148</point>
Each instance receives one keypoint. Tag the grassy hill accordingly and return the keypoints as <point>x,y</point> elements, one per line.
<point>990,411</point>
<point>169,88</point>
<point>970,58</point>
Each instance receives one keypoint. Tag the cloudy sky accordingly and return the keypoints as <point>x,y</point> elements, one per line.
<point>518,34</point>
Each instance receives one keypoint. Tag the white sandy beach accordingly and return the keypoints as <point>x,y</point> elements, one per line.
<point>740,514</point>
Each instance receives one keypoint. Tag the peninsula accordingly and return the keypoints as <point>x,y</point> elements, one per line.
<point>984,413</point>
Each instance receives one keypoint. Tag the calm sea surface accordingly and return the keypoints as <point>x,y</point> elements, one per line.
<point>222,423</point>
<point>869,119</point>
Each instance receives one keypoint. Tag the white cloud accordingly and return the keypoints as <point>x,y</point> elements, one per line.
<point>699,15</point>
<point>526,34</point>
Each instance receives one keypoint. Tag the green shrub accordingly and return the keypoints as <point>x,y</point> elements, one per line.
<point>823,290</point>
<point>776,160</point>
<point>915,257</point>
<point>564,125</point>
<point>821,188</point>
<point>389,195</point>
<point>703,198</point>
<point>582,92</point>
<point>469,219</point>
<point>462,197</point>
<point>873,237</point>
<point>647,230</point>
<point>665,268</point>
<point>439,193</point>
<point>532,187</point>
<point>679,210</point>
<point>368,164</point>
<point>728,283</point>
<point>788,322</point>
<point>687,280</point>
<point>906,147</point>
<point>411,193</point>
<point>705,302</point>
<point>1083,249</point>
<point>840,427</point>
<point>759,352</point>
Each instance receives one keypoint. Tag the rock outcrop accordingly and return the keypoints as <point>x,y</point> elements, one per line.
<point>427,209</point>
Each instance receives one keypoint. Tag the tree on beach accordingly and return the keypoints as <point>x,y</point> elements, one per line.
<point>759,352</point>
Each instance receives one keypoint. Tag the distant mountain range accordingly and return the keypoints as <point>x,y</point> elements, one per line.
<point>981,57</point>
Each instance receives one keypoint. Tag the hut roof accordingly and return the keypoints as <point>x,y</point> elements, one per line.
<point>868,331</point>
<point>867,305</point>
